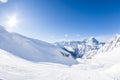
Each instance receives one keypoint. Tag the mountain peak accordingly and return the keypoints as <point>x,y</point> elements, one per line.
<point>110,45</point>
<point>91,41</point>
<point>117,36</point>
<point>81,49</point>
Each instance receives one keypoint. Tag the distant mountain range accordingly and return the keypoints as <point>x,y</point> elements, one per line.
<point>88,47</point>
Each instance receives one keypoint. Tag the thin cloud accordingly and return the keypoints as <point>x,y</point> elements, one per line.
<point>66,35</point>
<point>3,1</point>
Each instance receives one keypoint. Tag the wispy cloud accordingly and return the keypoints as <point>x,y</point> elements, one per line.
<point>65,35</point>
<point>3,1</point>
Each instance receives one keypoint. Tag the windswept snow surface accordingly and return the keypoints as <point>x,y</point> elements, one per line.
<point>110,61</point>
<point>32,49</point>
<point>15,68</point>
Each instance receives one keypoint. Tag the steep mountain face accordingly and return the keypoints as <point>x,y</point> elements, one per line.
<point>32,49</point>
<point>81,49</point>
<point>109,54</point>
<point>111,44</point>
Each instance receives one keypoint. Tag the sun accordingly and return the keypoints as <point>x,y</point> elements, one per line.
<point>12,21</point>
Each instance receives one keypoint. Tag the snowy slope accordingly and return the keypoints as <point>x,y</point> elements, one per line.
<point>109,57</point>
<point>110,61</point>
<point>32,49</point>
<point>15,68</point>
<point>110,52</point>
<point>85,49</point>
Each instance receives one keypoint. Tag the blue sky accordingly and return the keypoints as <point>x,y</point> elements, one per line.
<point>56,20</point>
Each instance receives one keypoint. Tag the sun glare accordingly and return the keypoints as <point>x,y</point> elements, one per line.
<point>12,21</point>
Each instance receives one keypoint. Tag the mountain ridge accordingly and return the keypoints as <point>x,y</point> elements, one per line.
<point>81,49</point>
<point>111,44</point>
<point>32,49</point>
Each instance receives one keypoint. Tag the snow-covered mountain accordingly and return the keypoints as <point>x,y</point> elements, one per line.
<point>104,66</point>
<point>32,49</point>
<point>15,68</point>
<point>109,57</point>
<point>109,54</point>
<point>81,49</point>
<point>111,44</point>
<point>23,58</point>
